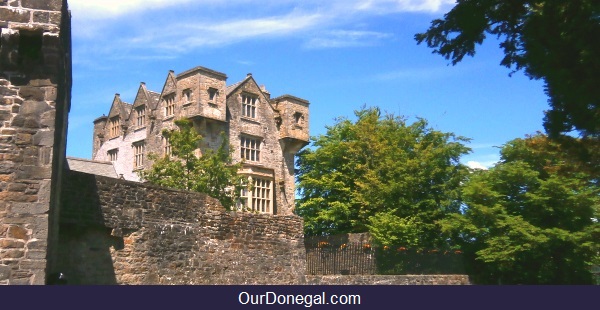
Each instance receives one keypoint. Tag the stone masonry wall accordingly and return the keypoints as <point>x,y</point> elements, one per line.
<point>35,88</point>
<point>120,232</point>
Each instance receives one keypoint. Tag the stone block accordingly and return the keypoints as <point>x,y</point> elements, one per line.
<point>15,15</point>
<point>50,93</point>
<point>37,244</point>
<point>34,173</point>
<point>44,138</point>
<point>5,115</point>
<point>39,227</point>
<point>33,264</point>
<point>20,281</point>
<point>12,254</point>
<point>18,232</point>
<point>48,118</point>
<point>11,244</point>
<point>29,208</point>
<point>41,82</point>
<point>39,254</point>
<point>17,187</point>
<point>23,138</point>
<point>5,272</point>
<point>47,5</point>
<point>35,107</point>
<point>32,94</point>
<point>41,17</point>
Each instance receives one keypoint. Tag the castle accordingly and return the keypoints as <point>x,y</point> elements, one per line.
<point>266,133</point>
<point>73,220</point>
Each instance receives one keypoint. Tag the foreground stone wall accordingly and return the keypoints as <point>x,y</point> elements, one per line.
<point>119,232</point>
<point>35,84</point>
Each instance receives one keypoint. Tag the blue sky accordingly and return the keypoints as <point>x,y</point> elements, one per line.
<point>340,55</point>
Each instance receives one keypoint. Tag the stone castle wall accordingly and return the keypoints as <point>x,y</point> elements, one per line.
<point>120,232</point>
<point>35,84</point>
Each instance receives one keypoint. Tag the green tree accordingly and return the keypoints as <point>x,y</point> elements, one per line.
<point>531,219</point>
<point>381,175</point>
<point>551,40</point>
<point>212,173</point>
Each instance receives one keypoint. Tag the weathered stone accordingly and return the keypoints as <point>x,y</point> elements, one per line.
<point>48,5</point>
<point>44,138</point>
<point>5,115</point>
<point>32,94</point>
<point>12,254</point>
<point>42,82</point>
<point>37,244</point>
<point>5,272</point>
<point>39,227</point>
<point>15,15</point>
<point>23,139</point>
<point>34,107</point>
<point>29,208</point>
<point>17,187</point>
<point>47,119</point>
<point>23,280</point>
<point>36,254</point>
<point>41,17</point>
<point>31,264</point>
<point>16,196</point>
<point>11,244</point>
<point>18,232</point>
<point>34,172</point>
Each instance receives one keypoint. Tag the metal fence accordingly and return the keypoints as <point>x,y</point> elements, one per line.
<point>324,258</point>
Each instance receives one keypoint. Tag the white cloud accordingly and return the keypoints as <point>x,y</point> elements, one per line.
<point>173,27</point>
<point>387,6</point>
<point>176,37</point>
<point>98,9</point>
<point>347,38</point>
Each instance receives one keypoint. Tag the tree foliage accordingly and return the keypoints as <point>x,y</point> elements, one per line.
<point>533,218</point>
<point>551,40</point>
<point>212,173</point>
<point>381,175</point>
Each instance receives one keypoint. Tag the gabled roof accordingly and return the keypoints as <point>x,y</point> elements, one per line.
<point>103,168</point>
<point>144,95</point>
<point>170,81</point>
<point>153,99</point>
<point>288,96</point>
<point>118,107</point>
<point>127,107</point>
<point>232,88</point>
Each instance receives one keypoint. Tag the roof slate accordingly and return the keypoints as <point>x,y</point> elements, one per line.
<point>103,168</point>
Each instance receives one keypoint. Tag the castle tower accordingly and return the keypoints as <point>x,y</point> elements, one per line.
<point>35,96</point>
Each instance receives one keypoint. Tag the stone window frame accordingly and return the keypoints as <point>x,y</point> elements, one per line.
<point>139,151</point>
<point>140,116</point>
<point>114,127</point>
<point>213,95</point>
<point>169,103</point>
<point>250,148</point>
<point>260,197</point>
<point>113,154</point>
<point>298,119</point>
<point>167,148</point>
<point>187,96</point>
<point>249,104</point>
